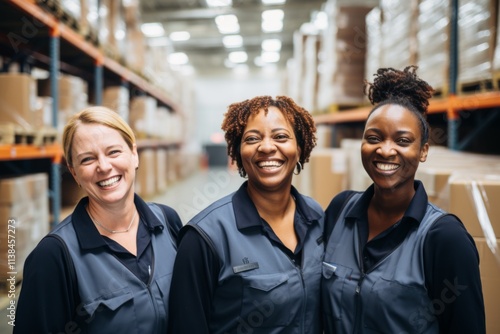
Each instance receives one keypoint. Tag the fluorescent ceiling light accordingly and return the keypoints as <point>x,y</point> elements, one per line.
<point>273,14</point>
<point>178,58</point>
<point>219,3</point>
<point>238,57</point>
<point>272,26</point>
<point>120,34</point>
<point>178,36</point>
<point>227,24</point>
<point>273,2</point>
<point>232,41</point>
<point>273,44</point>
<point>270,57</point>
<point>157,41</point>
<point>152,29</point>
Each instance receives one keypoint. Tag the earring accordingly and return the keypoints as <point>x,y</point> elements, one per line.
<point>299,168</point>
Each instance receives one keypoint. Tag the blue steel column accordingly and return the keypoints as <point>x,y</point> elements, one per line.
<point>54,88</point>
<point>453,119</point>
<point>98,82</point>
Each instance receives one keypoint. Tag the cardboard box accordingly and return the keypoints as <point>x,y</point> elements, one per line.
<point>475,199</point>
<point>142,116</point>
<point>328,174</point>
<point>489,265</point>
<point>146,177</point>
<point>161,169</point>
<point>117,98</point>
<point>18,94</point>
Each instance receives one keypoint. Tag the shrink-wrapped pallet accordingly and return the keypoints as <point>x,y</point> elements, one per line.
<point>476,42</point>
<point>399,30</point>
<point>496,55</point>
<point>373,42</point>
<point>433,42</point>
<point>310,78</point>
<point>343,51</point>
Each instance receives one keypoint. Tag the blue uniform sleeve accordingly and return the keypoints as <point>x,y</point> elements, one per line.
<point>194,280</point>
<point>453,279</point>
<point>48,297</point>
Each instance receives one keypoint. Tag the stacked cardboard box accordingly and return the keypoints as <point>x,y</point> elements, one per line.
<point>18,93</point>
<point>145,182</point>
<point>475,198</point>
<point>72,94</point>
<point>142,116</point>
<point>117,99</point>
<point>24,220</point>
<point>343,52</point>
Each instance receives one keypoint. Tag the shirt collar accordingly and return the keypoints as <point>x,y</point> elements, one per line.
<point>88,235</point>
<point>247,215</point>
<point>415,211</point>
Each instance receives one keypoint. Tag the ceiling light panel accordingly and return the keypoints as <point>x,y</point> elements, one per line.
<point>273,44</point>
<point>152,29</point>
<point>273,2</point>
<point>238,57</point>
<point>178,58</point>
<point>179,36</point>
<point>219,3</point>
<point>227,24</point>
<point>232,41</point>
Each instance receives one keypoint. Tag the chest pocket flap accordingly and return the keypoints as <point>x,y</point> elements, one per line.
<point>267,282</point>
<point>111,301</point>
<point>336,270</point>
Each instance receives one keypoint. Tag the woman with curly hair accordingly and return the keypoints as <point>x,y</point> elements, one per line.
<point>395,263</point>
<point>251,261</point>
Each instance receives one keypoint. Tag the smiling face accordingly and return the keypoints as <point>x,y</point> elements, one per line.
<point>103,164</point>
<point>391,149</point>
<point>269,150</point>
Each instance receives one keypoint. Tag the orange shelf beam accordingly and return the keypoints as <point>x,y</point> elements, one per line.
<point>79,42</point>
<point>450,105</point>
<point>19,152</point>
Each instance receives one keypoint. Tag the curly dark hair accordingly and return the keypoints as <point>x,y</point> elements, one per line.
<point>403,88</point>
<point>236,119</point>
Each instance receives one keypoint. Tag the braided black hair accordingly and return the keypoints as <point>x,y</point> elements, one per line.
<point>403,88</point>
<point>236,119</point>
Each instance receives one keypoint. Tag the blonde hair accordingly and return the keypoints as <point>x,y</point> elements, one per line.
<point>95,115</point>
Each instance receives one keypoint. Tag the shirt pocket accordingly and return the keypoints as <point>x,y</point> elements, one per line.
<point>333,285</point>
<point>105,307</point>
<point>402,308</point>
<point>266,300</point>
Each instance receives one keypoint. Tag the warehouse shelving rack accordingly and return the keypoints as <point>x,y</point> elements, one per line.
<point>34,37</point>
<point>451,105</point>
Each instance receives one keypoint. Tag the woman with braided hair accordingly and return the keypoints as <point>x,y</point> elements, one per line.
<point>395,263</point>
<point>251,261</point>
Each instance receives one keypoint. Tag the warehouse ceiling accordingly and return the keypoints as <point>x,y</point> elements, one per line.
<point>205,49</point>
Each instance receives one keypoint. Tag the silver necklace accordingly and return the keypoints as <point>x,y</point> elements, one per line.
<point>109,230</point>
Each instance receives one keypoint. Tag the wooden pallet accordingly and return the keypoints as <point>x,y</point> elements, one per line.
<point>473,87</point>
<point>338,107</point>
<point>441,91</point>
<point>11,134</point>
<point>55,8</point>
<point>45,136</point>
<point>496,80</point>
